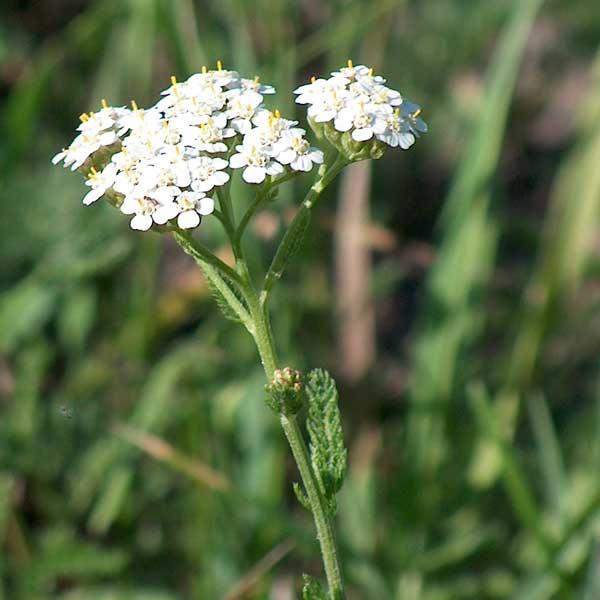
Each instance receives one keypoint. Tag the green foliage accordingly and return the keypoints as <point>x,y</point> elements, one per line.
<point>327,450</point>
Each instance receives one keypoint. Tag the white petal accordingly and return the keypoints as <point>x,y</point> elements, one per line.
<point>165,213</point>
<point>286,157</point>
<point>324,116</point>
<point>188,219</point>
<point>406,140</point>
<point>220,178</point>
<point>274,168</point>
<point>202,185</point>
<point>58,157</point>
<point>316,156</point>
<point>219,163</point>
<point>206,206</point>
<point>302,163</point>
<point>237,161</point>
<point>141,222</point>
<point>362,135</point>
<point>343,122</point>
<point>129,206</point>
<point>253,175</point>
<point>92,196</point>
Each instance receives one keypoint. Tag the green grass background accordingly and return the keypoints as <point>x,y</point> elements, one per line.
<point>137,458</point>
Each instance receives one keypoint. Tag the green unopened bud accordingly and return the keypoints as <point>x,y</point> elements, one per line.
<point>285,392</point>
<point>377,149</point>
<point>318,128</point>
<point>333,135</point>
<point>100,158</point>
<point>114,198</point>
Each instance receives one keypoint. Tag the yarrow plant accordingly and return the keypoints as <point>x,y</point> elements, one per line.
<point>170,165</point>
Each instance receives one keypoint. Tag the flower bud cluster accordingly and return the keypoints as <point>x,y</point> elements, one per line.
<point>359,114</point>
<point>285,392</point>
<point>161,164</point>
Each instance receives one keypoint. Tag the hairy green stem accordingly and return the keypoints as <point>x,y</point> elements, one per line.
<point>325,535</point>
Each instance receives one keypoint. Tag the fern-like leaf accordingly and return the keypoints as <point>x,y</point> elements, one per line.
<point>327,451</point>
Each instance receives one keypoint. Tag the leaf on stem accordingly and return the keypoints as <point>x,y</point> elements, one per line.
<point>301,495</point>
<point>220,298</point>
<point>327,451</point>
<point>312,589</point>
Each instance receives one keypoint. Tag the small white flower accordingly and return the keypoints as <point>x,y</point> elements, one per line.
<point>83,146</point>
<point>241,109</point>
<point>109,117</point>
<point>355,73</point>
<point>207,173</point>
<point>329,103</point>
<point>395,134</point>
<point>269,126</point>
<point>206,79</point>
<point>313,92</point>
<point>209,134</point>
<point>193,205</point>
<point>363,121</point>
<point>256,161</point>
<point>100,181</point>
<point>165,212</point>
<point>254,85</point>
<point>142,208</point>
<point>294,150</point>
<point>410,114</point>
<point>145,122</point>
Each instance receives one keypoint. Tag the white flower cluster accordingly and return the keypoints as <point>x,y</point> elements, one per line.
<point>159,164</point>
<point>355,100</point>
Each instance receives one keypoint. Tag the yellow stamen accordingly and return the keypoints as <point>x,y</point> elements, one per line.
<point>219,65</point>
<point>371,72</point>
<point>397,112</point>
<point>204,68</point>
<point>93,172</point>
<point>313,79</point>
<point>83,117</point>
<point>134,105</point>
<point>350,65</point>
<point>416,113</point>
<point>277,114</point>
<point>104,103</point>
<point>173,80</point>
<point>256,79</point>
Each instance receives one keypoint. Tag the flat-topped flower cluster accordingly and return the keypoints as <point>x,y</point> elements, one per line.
<point>357,101</point>
<point>161,163</point>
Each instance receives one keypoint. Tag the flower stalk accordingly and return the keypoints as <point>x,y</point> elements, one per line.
<point>159,165</point>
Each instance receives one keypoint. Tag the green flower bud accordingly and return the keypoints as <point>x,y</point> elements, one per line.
<point>285,392</point>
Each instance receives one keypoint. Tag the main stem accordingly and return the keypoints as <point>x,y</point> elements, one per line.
<point>325,535</point>
<point>260,327</point>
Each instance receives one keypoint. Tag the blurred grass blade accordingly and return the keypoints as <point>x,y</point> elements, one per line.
<point>567,247</point>
<point>163,452</point>
<point>549,453</point>
<point>244,586</point>
<point>180,25</point>
<point>515,480</point>
<point>466,253</point>
<point>592,584</point>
